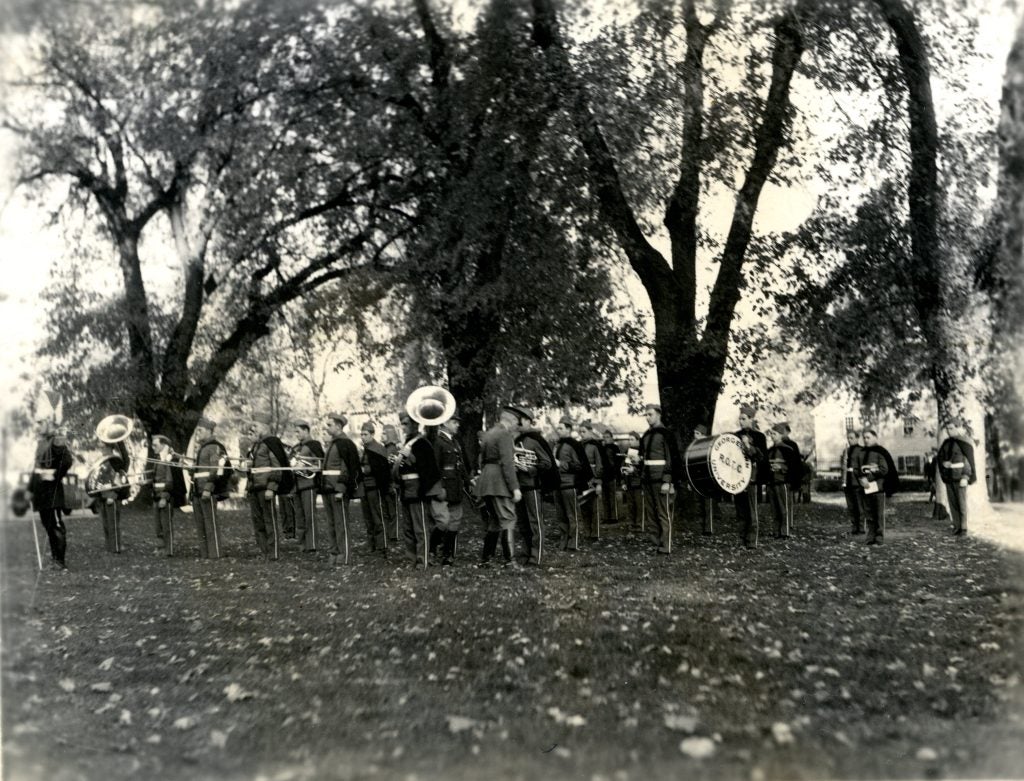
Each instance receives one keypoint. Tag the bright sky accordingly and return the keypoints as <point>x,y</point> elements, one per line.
<point>29,250</point>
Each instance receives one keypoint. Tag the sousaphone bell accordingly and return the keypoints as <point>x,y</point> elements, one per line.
<point>430,405</point>
<point>110,473</point>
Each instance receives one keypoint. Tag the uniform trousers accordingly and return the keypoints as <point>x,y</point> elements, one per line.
<point>336,507</point>
<point>288,513</point>
<point>567,514</point>
<point>855,506</point>
<point>662,505</point>
<point>957,495</point>
<point>374,518</point>
<point>591,513</point>
<point>633,497</point>
<point>781,499</point>
<point>610,496</point>
<point>305,519</point>
<point>111,513</point>
<point>531,524</point>
<point>746,514</point>
<point>205,513</point>
<point>875,505</point>
<point>165,526</point>
<point>416,531</point>
<point>265,523</point>
<point>56,532</point>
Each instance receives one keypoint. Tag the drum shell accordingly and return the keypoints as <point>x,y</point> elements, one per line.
<point>715,465</point>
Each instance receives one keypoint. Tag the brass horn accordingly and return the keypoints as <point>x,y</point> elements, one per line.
<point>430,405</point>
<point>114,428</point>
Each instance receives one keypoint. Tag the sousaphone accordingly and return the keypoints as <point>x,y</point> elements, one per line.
<point>110,472</point>
<point>430,405</point>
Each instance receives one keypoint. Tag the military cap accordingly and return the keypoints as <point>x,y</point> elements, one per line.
<point>566,421</point>
<point>700,430</point>
<point>653,406</point>
<point>748,410</point>
<point>302,423</point>
<point>340,417</point>
<point>782,428</point>
<point>160,440</point>
<point>368,426</point>
<point>520,412</point>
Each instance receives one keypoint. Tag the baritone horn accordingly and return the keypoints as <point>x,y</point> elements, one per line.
<point>430,405</point>
<point>524,458</point>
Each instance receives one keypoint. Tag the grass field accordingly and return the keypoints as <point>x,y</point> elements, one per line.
<point>814,657</point>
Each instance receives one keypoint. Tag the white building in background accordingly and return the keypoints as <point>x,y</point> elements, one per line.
<point>908,437</point>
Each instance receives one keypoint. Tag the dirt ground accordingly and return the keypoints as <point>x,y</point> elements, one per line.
<point>808,658</point>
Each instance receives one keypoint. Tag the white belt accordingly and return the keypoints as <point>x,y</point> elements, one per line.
<point>203,474</point>
<point>46,474</point>
<point>262,469</point>
<point>411,476</point>
<point>158,486</point>
<point>952,465</point>
<point>655,463</point>
<point>331,473</point>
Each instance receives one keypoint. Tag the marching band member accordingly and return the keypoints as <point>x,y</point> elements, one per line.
<point>451,460</point>
<point>376,477</point>
<point>850,463</point>
<point>340,476</point>
<point>794,483</point>
<point>878,479</point>
<point>389,437</point>
<point>660,460</point>
<point>114,476</point>
<point>781,463</point>
<point>306,450</point>
<point>613,458</point>
<point>46,488</point>
<point>498,485</point>
<point>633,486</point>
<point>574,475</point>
<point>419,478</point>
<point>591,506</point>
<point>208,486</point>
<point>705,504</point>
<point>266,481</point>
<point>531,483</point>
<point>755,446</point>
<point>168,490</point>
<point>955,463</point>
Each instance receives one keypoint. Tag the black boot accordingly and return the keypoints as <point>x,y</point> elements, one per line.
<point>490,546</point>
<point>436,535</point>
<point>506,549</point>
<point>448,543</point>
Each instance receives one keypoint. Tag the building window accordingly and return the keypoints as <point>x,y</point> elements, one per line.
<point>901,465</point>
<point>914,465</point>
<point>849,424</point>
<point>908,426</point>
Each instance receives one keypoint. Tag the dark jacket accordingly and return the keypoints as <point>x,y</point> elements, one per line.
<point>497,466</point>
<point>46,485</point>
<point>309,449</point>
<point>374,465</point>
<point>661,462</point>
<point>418,473</point>
<point>576,473</point>
<point>169,482</point>
<point>877,464</point>
<point>849,465</point>
<point>536,476</point>
<point>451,460</point>
<point>268,457</point>
<point>211,472</point>
<point>341,467</point>
<point>784,462</point>
<point>757,452</point>
<point>956,460</point>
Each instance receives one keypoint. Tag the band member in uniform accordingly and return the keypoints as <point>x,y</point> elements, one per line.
<point>168,490</point>
<point>115,477</point>
<point>266,480</point>
<point>705,505</point>
<point>633,486</point>
<point>498,485</point>
<point>574,476</point>
<point>306,450</point>
<point>451,460</point>
<point>795,479</point>
<point>756,447</point>
<point>532,473</point>
<point>591,505</point>
<point>878,479</point>
<point>850,464</point>
<point>46,488</point>
<point>376,478</point>
<point>613,458</point>
<point>782,461</point>
<point>419,478</point>
<point>208,486</point>
<point>392,518</point>
<point>955,463</point>
<point>660,462</point>
<point>340,478</point>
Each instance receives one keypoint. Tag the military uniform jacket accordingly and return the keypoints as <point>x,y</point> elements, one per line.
<point>877,464</point>
<point>796,464</point>
<point>531,440</point>
<point>210,474</point>
<point>169,482</point>
<point>595,457</point>
<point>311,449</point>
<point>498,471</point>
<point>269,463</point>
<point>373,464</point>
<point>341,467</point>
<point>418,473</point>
<point>850,463</point>
<point>783,461</point>
<point>956,460</point>
<point>757,451</point>
<point>46,485</point>
<point>613,458</point>
<point>573,467</point>
<point>451,460</point>
<point>660,459</point>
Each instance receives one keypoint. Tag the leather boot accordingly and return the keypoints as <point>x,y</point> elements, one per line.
<point>490,546</point>
<point>506,548</point>
<point>448,548</point>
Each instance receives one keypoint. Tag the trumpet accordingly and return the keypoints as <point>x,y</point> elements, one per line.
<point>524,458</point>
<point>305,466</point>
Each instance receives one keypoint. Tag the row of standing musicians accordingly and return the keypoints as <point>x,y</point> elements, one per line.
<point>429,477</point>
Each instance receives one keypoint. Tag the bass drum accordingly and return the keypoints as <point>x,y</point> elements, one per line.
<point>718,464</point>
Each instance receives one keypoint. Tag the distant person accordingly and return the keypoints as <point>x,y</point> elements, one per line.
<point>849,465</point>
<point>878,480</point>
<point>955,461</point>
<point>46,488</point>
